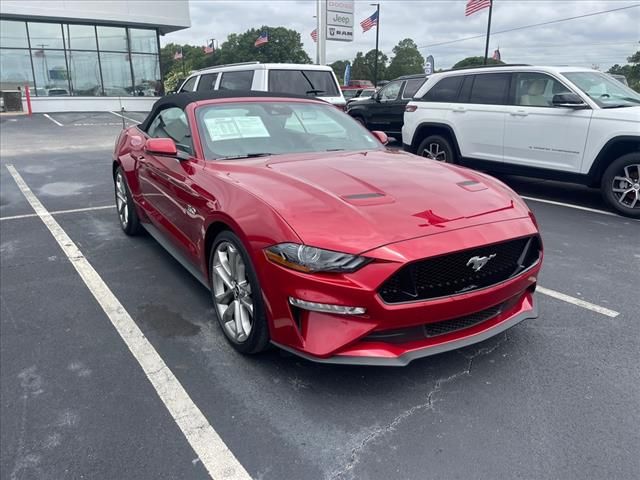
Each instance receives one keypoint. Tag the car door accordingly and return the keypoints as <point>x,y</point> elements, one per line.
<point>539,134</point>
<point>166,183</point>
<point>384,105</point>
<point>479,115</point>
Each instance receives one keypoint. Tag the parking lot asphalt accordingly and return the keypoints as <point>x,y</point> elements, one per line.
<point>554,398</point>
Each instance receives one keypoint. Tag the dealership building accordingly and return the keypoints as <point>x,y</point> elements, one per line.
<point>86,55</point>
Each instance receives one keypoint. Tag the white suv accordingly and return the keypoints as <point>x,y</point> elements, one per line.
<point>562,123</point>
<point>301,79</point>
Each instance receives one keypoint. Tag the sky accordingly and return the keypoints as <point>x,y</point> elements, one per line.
<point>601,40</point>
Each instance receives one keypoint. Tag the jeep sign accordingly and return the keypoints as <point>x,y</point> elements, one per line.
<point>339,21</point>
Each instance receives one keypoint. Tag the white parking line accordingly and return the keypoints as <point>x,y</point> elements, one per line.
<point>58,212</point>
<point>569,205</point>
<point>126,118</point>
<point>53,120</point>
<point>576,301</point>
<point>212,451</point>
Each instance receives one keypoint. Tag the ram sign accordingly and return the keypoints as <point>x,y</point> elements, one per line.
<point>339,20</point>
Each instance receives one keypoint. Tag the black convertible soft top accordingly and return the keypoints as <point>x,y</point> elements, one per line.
<point>181,100</point>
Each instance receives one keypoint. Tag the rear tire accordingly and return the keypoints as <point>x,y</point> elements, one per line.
<point>236,295</point>
<point>127,214</point>
<point>620,185</point>
<point>437,147</point>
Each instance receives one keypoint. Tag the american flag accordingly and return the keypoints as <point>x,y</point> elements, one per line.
<point>178,55</point>
<point>209,48</point>
<point>496,54</point>
<point>262,39</point>
<point>369,22</point>
<point>474,6</point>
<point>314,35</point>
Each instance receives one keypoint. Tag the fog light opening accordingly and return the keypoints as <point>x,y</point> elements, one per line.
<point>326,307</point>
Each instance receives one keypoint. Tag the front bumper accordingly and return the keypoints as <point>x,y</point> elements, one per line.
<point>360,339</point>
<point>382,354</point>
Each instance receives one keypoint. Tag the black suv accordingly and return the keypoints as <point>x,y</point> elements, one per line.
<point>385,110</point>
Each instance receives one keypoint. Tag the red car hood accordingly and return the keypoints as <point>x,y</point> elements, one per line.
<point>357,201</point>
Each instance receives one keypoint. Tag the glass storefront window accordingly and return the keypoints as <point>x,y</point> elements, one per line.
<point>116,74</point>
<point>143,41</point>
<point>63,59</point>
<point>112,38</point>
<point>146,74</point>
<point>45,35</point>
<point>84,71</point>
<point>80,37</point>
<point>15,69</point>
<point>13,34</point>
<point>52,77</point>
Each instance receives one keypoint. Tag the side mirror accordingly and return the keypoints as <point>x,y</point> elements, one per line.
<point>381,136</point>
<point>568,100</point>
<point>161,146</point>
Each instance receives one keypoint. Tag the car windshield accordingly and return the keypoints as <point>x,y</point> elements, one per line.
<point>240,130</point>
<point>604,90</point>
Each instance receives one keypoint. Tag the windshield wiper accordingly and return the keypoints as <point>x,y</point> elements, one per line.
<point>315,92</point>
<point>617,105</point>
<point>248,155</point>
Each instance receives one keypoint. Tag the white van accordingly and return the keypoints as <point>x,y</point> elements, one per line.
<point>301,79</point>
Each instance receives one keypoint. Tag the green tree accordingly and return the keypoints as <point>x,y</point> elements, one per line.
<point>338,68</point>
<point>363,66</point>
<point>476,61</point>
<point>406,59</point>
<point>631,71</point>
<point>284,46</point>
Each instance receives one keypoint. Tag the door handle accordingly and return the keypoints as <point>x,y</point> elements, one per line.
<point>459,109</point>
<point>520,113</point>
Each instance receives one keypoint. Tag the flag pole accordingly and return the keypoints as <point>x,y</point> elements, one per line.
<point>375,68</point>
<point>486,46</point>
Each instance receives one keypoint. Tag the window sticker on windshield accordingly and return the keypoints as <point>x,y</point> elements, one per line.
<point>228,128</point>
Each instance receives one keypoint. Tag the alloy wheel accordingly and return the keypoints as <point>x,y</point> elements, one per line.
<point>626,187</point>
<point>122,203</point>
<point>232,292</point>
<point>434,151</point>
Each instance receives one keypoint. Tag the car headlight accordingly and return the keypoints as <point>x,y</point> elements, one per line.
<point>311,259</point>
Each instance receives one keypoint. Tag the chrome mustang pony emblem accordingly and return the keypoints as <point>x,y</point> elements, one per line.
<point>477,263</point>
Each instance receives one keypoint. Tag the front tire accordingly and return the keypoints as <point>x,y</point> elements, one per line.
<point>437,147</point>
<point>129,221</point>
<point>236,294</point>
<point>620,185</point>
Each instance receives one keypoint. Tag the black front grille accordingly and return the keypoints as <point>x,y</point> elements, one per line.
<point>454,273</point>
<point>440,328</point>
<point>428,330</point>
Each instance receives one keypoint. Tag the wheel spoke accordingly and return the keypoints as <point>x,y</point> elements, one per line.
<point>635,200</point>
<point>245,320</point>
<point>223,275</point>
<point>247,304</point>
<point>232,261</point>
<point>224,296</point>
<point>237,316</point>
<point>624,195</point>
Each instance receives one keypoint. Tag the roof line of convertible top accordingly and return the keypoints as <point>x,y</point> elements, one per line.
<point>181,100</point>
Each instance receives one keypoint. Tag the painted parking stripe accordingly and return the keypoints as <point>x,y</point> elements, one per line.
<point>53,120</point>
<point>126,118</point>
<point>569,205</point>
<point>210,448</point>
<point>577,301</point>
<point>58,212</point>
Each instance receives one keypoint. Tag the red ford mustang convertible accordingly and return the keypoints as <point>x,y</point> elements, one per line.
<point>314,237</point>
